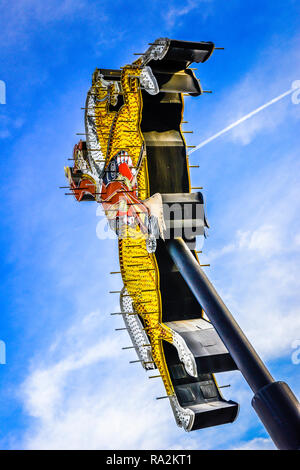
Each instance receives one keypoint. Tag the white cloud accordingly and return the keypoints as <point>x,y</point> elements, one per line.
<point>174,13</point>
<point>33,10</point>
<point>249,94</point>
<point>258,443</point>
<point>262,83</point>
<point>19,18</point>
<point>265,240</point>
<point>8,125</point>
<point>89,397</point>
<point>81,393</point>
<point>258,269</point>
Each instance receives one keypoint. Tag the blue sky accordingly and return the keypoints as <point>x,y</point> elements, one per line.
<point>67,384</point>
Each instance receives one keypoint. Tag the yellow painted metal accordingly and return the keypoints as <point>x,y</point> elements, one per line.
<point>120,130</point>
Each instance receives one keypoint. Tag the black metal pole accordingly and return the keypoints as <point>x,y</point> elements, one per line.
<point>274,402</point>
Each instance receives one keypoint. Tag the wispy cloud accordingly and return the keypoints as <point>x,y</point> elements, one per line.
<point>175,13</point>
<point>258,443</point>
<point>257,103</point>
<point>79,389</point>
<point>9,125</point>
<point>259,264</point>
<point>244,118</point>
<point>89,397</point>
<point>19,18</point>
<point>83,394</point>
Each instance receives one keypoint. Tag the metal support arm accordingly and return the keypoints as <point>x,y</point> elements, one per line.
<point>274,402</point>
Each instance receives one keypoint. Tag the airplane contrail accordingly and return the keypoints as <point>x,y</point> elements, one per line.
<point>244,118</point>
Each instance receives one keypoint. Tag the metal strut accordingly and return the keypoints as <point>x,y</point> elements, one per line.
<point>274,402</point>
